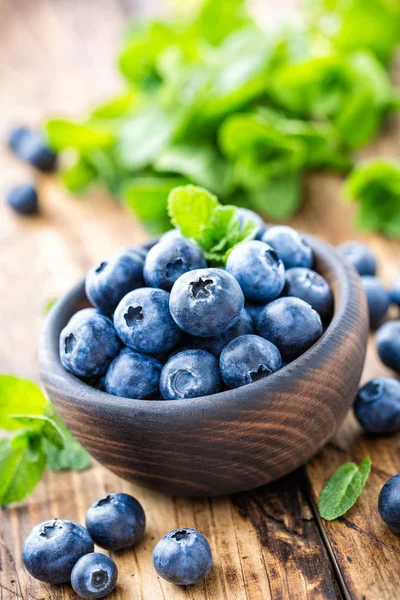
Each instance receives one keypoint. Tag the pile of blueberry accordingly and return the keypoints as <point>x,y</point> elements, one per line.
<point>31,147</point>
<point>377,405</point>
<point>167,324</point>
<point>59,551</point>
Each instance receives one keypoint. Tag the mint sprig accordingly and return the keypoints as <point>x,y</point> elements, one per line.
<point>215,228</point>
<point>343,489</point>
<point>38,439</point>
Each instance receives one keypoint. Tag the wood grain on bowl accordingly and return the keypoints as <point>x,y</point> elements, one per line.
<point>231,441</point>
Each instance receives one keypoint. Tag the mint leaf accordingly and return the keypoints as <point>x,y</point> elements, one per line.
<point>71,457</point>
<point>41,424</point>
<point>117,107</point>
<point>343,488</point>
<point>218,18</point>
<point>22,462</point>
<point>280,198</point>
<point>19,396</point>
<point>63,133</point>
<point>48,305</point>
<point>190,208</point>
<point>147,197</point>
<point>79,176</point>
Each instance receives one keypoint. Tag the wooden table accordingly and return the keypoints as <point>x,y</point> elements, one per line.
<point>57,57</point>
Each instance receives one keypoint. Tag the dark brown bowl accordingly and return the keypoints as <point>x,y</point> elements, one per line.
<point>231,441</point>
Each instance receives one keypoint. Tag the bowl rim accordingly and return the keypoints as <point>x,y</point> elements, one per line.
<point>85,395</point>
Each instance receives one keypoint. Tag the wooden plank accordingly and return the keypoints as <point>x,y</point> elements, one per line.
<point>266,545</point>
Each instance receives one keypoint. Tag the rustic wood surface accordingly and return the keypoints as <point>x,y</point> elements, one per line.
<point>57,56</point>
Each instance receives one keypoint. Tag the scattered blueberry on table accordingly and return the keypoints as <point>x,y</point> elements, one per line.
<point>183,556</point>
<point>378,299</point>
<point>94,576</point>
<point>388,344</point>
<point>116,521</point>
<point>389,503</point>
<point>23,199</point>
<point>377,405</point>
<point>31,147</point>
<point>360,256</point>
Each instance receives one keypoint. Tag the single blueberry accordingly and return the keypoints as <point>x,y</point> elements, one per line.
<point>258,269</point>
<point>205,302</point>
<point>395,292</point>
<point>248,358</point>
<point>388,345</point>
<point>389,503</point>
<point>254,310</point>
<point>190,374</point>
<point>144,323</point>
<point>88,344</point>
<point>360,256</point>
<point>116,521</point>
<point>244,215</point>
<point>52,549</point>
<point>110,280</point>
<point>169,259</point>
<point>216,343</point>
<point>377,405</point>
<point>291,325</point>
<point>23,199</point>
<point>377,297</point>
<point>291,247</point>
<point>133,375</point>
<point>32,148</point>
<point>183,557</point>
<point>94,576</point>
<point>310,287</point>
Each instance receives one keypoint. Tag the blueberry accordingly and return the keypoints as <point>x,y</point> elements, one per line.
<point>190,374</point>
<point>388,345</point>
<point>169,259</point>
<point>94,576</point>
<point>88,344</point>
<point>183,557</point>
<point>389,503</point>
<point>206,301</point>
<point>291,325</point>
<point>133,375</point>
<point>248,358</point>
<point>395,292</point>
<point>310,287</point>
<point>377,405</point>
<point>116,521</point>
<point>291,247</point>
<point>258,269</point>
<point>53,548</point>
<point>144,323</point>
<point>254,310</point>
<point>216,343</point>
<point>244,214</point>
<point>377,297</point>
<point>31,147</point>
<point>360,256</point>
<point>110,280</point>
<point>23,199</point>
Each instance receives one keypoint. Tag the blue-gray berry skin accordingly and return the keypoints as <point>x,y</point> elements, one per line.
<point>254,310</point>
<point>205,302</point>
<point>377,297</point>
<point>183,556</point>
<point>190,374</point>
<point>245,214</point>
<point>388,344</point>
<point>395,292</point>
<point>389,503</point>
<point>258,269</point>
<point>169,259</point>
<point>110,280</point>
<point>291,246</point>
<point>248,358</point>
<point>94,576</point>
<point>133,375</point>
<point>216,343</point>
<point>144,323</point>
<point>31,147</point>
<point>360,256</point>
<point>23,199</point>
<point>116,521</point>
<point>88,344</point>
<point>310,287</point>
<point>377,405</point>
<point>52,549</point>
<point>291,325</point>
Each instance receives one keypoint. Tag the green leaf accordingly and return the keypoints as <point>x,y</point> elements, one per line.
<point>280,198</point>
<point>117,107</point>
<point>72,457</point>
<point>48,305</point>
<point>79,176</point>
<point>147,197</point>
<point>40,424</point>
<point>22,462</point>
<point>218,18</point>
<point>81,136</point>
<point>343,489</point>
<point>190,208</point>
<point>19,396</point>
